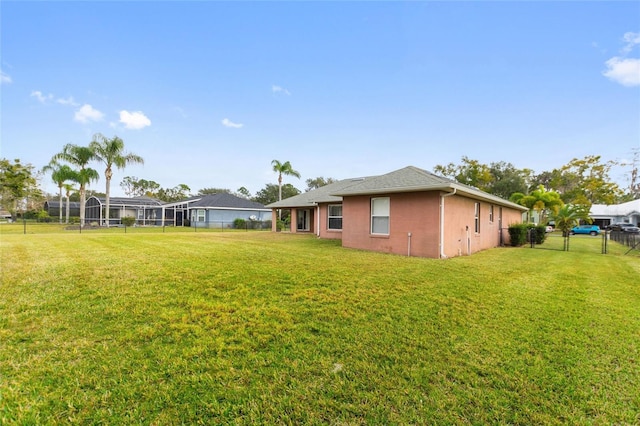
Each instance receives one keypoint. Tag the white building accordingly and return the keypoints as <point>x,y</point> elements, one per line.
<point>604,215</point>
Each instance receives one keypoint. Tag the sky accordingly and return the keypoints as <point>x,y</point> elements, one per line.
<point>209,93</point>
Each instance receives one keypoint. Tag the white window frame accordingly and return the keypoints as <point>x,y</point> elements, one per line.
<point>491,213</point>
<point>329,217</point>
<point>380,210</point>
<point>201,215</point>
<point>477,218</point>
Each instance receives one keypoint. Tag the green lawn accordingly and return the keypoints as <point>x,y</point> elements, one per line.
<point>271,328</point>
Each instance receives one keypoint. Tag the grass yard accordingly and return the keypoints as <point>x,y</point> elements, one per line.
<point>266,328</point>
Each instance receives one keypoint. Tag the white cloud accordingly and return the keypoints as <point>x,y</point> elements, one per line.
<point>279,89</point>
<point>68,101</point>
<point>134,120</point>
<point>228,123</point>
<point>87,113</point>
<point>632,39</point>
<point>622,69</point>
<point>41,97</point>
<point>625,71</point>
<point>44,99</point>
<point>5,78</point>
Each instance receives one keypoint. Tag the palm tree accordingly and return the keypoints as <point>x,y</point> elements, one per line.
<point>111,153</point>
<point>541,200</point>
<point>60,174</point>
<point>79,156</point>
<point>569,216</point>
<point>68,188</point>
<point>283,169</point>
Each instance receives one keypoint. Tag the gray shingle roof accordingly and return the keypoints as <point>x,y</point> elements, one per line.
<point>224,200</point>
<point>408,179</point>
<point>324,194</point>
<point>413,179</point>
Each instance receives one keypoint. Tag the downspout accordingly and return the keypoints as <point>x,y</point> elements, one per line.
<point>442,197</point>
<point>317,220</point>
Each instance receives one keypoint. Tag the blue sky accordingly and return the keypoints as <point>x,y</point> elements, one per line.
<point>209,93</point>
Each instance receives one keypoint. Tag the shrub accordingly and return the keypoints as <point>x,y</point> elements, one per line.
<point>43,216</point>
<point>539,233</point>
<point>239,223</point>
<point>128,220</point>
<point>518,234</point>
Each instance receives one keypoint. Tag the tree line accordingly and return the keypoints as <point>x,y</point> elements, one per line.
<point>581,182</point>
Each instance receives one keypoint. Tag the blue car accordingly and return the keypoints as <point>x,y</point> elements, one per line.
<point>585,229</point>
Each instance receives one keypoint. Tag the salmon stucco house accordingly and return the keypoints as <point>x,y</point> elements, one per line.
<point>409,212</point>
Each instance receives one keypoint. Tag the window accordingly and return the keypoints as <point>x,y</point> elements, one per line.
<point>335,216</point>
<point>477,218</point>
<point>380,215</point>
<point>198,215</point>
<point>303,219</point>
<point>491,214</point>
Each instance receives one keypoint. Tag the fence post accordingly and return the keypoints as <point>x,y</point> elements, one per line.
<point>532,235</point>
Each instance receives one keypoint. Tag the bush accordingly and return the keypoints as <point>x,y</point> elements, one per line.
<point>518,234</point>
<point>521,233</point>
<point>239,223</point>
<point>128,220</point>
<point>36,214</point>
<point>539,233</point>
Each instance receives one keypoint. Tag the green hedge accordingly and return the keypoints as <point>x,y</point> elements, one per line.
<point>519,234</point>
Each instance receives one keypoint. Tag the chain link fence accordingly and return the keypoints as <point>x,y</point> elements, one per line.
<point>35,227</point>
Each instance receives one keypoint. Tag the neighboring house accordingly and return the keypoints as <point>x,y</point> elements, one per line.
<point>206,211</point>
<point>604,215</point>
<point>147,211</point>
<point>409,211</point>
<point>217,211</point>
<point>52,207</point>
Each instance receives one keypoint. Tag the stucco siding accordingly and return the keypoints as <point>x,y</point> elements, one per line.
<point>460,236</point>
<point>323,223</point>
<point>414,225</point>
<point>409,213</point>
